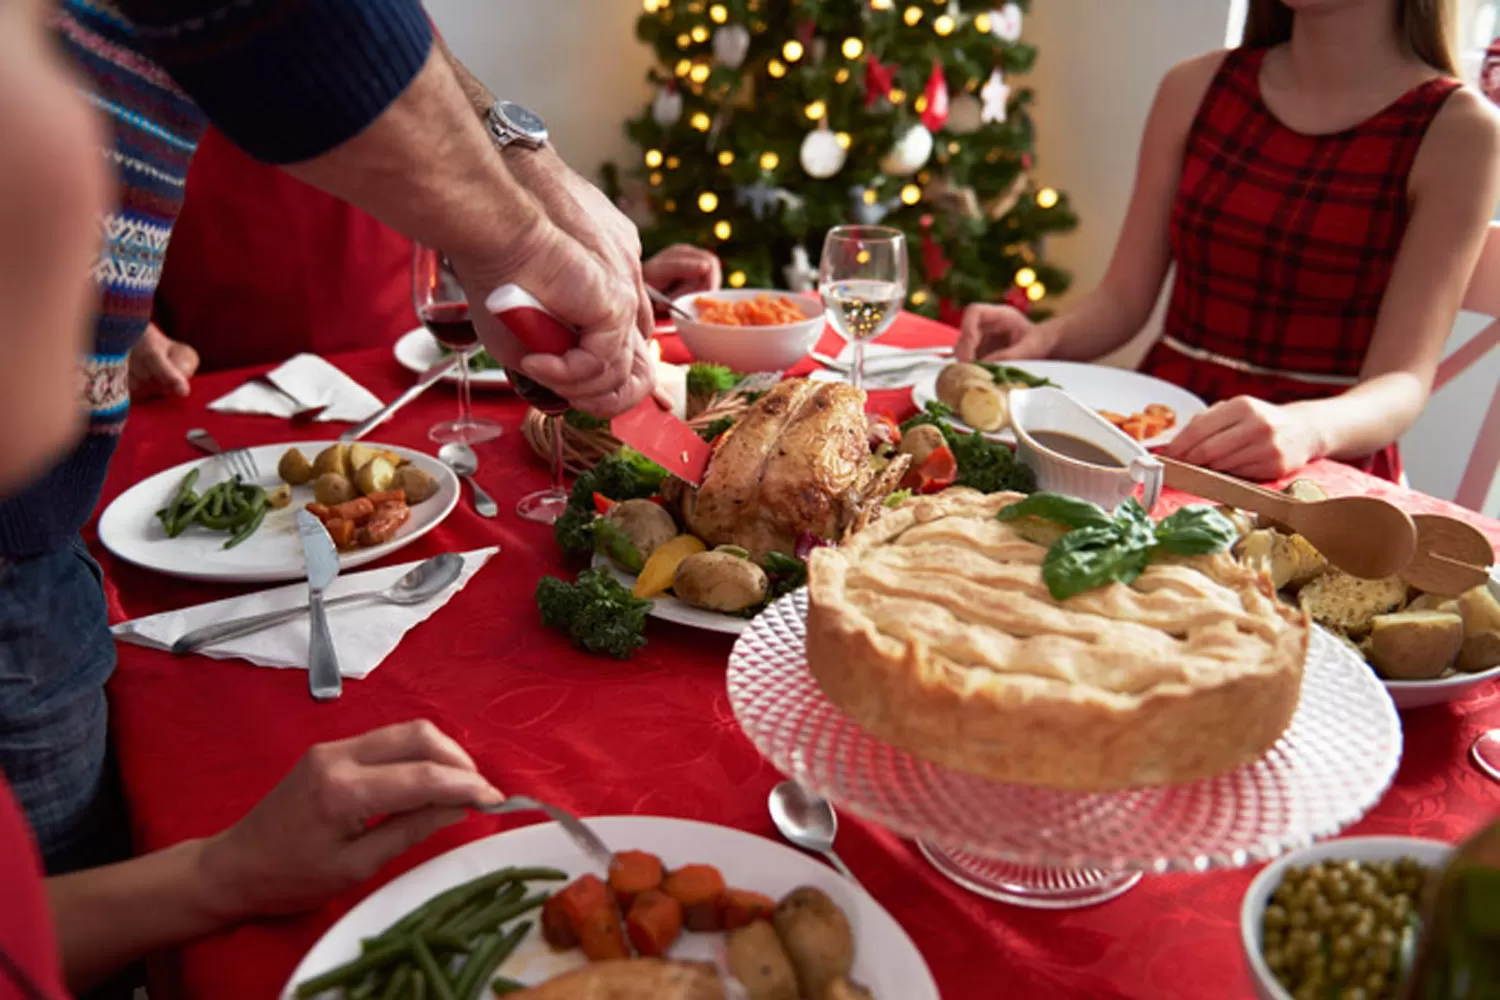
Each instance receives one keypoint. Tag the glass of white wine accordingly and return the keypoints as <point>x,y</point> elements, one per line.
<point>863,283</point>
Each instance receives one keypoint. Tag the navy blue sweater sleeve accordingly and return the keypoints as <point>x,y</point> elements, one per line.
<point>286,80</point>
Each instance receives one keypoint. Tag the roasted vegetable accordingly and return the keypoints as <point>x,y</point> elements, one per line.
<point>633,873</point>
<point>1414,645</point>
<point>757,959</point>
<point>954,379</point>
<point>279,497</point>
<point>646,525</point>
<point>983,407</point>
<point>653,922</point>
<point>333,488</point>
<point>1480,610</point>
<point>699,888</point>
<point>704,379</point>
<point>719,581</point>
<point>294,468</point>
<point>1434,602</point>
<point>1290,560</point>
<point>596,612</point>
<point>1306,490</point>
<point>843,989</point>
<point>334,458</point>
<point>361,455</point>
<point>660,569</point>
<point>984,465</point>
<point>738,907</point>
<point>417,484</point>
<point>1337,600</point>
<point>375,476</point>
<point>1480,651</point>
<point>624,475</point>
<point>923,440</point>
<point>1243,522</point>
<point>817,938</point>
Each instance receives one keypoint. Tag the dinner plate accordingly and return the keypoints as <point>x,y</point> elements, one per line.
<point>131,530</point>
<point>1103,387</point>
<point>670,609</point>
<point>885,959</point>
<point>419,350</point>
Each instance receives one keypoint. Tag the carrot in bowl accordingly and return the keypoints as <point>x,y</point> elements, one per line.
<point>763,310</point>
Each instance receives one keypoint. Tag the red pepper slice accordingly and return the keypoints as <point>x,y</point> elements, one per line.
<point>602,503</point>
<point>889,422</point>
<point>936,473</point>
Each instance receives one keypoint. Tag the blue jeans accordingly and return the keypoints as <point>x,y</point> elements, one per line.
<point>55,655</point>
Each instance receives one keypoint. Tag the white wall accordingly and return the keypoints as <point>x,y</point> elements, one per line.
<point>575,62</point>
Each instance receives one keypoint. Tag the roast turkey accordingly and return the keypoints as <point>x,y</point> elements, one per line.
<point>797,463</point>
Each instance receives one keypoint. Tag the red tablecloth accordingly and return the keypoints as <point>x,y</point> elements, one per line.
<point>200,740</point>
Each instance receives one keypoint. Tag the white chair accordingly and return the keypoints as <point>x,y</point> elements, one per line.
<point>1482,297</point>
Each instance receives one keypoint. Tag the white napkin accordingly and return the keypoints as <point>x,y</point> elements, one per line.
<point>886,354</point>
<point>313,382</point>
<point>363,634</point>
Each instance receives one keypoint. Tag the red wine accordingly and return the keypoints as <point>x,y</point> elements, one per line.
<point>535,393</point>
<point>451,325</point>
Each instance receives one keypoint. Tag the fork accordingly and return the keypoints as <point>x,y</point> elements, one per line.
<point>240,461</point>
<point>572,826</point>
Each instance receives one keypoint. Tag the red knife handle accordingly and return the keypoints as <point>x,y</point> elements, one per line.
<point>530,322</point>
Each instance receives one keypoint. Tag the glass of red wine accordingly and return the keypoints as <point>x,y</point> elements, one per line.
<point>444,311</point>
<point>544,506</point>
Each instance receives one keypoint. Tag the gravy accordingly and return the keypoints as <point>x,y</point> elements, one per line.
<point>1075,448</point>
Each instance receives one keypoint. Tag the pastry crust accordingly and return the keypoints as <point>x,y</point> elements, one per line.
<point>934,630</point>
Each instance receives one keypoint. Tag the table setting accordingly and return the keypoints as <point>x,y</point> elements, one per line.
<point>711,737</point>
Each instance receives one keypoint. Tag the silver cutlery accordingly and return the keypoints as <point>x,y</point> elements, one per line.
<point>808,821</point>
<point>323,677</point>
<point>424,582</point>
<point>666,303</point>
<point>424,382</point>
<point>574,827</point>
<point>907,361</point>
<point>1486,753</point>
<point>304,412</point>
<point>241,462</point>
<point>464,463</point>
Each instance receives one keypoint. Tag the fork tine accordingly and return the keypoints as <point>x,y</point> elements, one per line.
<point>254,466</point>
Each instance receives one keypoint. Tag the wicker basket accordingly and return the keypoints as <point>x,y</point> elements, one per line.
<point>582,449</point>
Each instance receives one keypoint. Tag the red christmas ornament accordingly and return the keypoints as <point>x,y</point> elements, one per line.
<point>1025,161</point>
<point>878,81</point>
<point>936,115</point>
<point>1016,299</point>
<point>806,30</point>
<point>934,263</point>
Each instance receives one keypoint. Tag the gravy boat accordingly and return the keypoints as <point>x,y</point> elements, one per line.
<point>1049,409</point>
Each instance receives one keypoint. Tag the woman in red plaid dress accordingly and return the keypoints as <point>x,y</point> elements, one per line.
<point>1324,192</point>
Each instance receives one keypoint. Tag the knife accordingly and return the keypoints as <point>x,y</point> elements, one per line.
<point>323,677</point>
<point>650,427</point>
<point>424,382</point>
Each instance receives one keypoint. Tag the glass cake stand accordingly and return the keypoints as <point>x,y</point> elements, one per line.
<point>1054,849</point>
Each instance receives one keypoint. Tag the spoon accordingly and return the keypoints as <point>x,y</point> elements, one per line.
<point>425,581</point>
<point>668,304</point>
<point>807,821</point>
<point>1452,556</point>
<point>461,459</point>
<point>1363,536</point>
<point>1486,753</point>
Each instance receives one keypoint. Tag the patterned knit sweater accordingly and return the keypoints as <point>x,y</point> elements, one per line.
<point>285,79</point>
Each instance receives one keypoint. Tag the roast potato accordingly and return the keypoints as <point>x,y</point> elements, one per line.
<point>817,938</point>
<point>361,455</point>
<point>278,497</point>
<point>334,458</point>
<point>416,483</point>
<point>1415,645</point>
<point>1433,602</point>
<point>1305,490</point>
<point>921,441</point>
<point>1290,560</point>
<point>983,407</point>
<point>1480,610</point>
<point>646,524</point>
<point>955,378</point>
<point>1243,522</point>
<point>1480,651</point>
<point>843,989</point>
<point>375,476</point>
<point>719,581</point>
<point>757,959</point>
<point>1337,600</point>
<point>294,468</point>
<point>333,488</point>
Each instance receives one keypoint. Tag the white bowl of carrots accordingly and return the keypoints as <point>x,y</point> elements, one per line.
<point>751,329</point>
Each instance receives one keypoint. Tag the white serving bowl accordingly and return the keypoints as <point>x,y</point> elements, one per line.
<point>751,348</point>
<point>1431,853</point>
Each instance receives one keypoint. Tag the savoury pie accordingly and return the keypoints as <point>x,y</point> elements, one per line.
<point>933,629</point>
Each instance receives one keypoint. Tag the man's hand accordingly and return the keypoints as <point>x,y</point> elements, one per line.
<point>341,813</point>
<point>161,366</point>
<point>683,270</point>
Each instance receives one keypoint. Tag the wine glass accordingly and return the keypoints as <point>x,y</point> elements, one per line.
<point>544,506</point>
<point>863,282</point>
<point>444,311</point>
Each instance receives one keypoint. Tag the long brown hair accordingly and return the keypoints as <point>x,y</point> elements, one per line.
<point>1427,26</point>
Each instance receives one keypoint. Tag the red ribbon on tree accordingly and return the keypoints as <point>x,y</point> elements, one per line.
<point>878,81</point>
<point>935,263</point>
<point>936,114</point>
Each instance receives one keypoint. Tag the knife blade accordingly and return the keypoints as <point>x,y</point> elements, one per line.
<point>322,558</point>
<point>650,427</point>
<point>424,382</point>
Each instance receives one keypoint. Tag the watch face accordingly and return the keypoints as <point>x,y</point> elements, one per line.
<point>523,120</point>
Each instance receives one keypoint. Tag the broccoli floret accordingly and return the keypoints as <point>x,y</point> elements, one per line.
<point>625,475</point>
<point>704,379</point>
<point>934,414</point>
<point>984,465</point>
<point>597,613</point>
<point>585,421</point>
<point>574,532</point>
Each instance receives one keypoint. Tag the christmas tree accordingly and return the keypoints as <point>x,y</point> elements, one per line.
<point>775,120</point>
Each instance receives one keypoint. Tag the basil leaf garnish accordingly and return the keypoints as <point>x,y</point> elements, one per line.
<point>1196,531</point>
<point>1086,558</point>
<point>1070,512</point>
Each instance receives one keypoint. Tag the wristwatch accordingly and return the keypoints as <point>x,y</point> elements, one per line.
<point>511,125</point>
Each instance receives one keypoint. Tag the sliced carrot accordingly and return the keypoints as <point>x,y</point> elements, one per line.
<point>557,929</point>
<point>319,511</point>
<point>697,888</point>
<point>354,510</point>
<point>386,496</point>
<point>739,908</point>
<point>653,923</point>
<point>585,895</point>
<point>601,937</point>
<point>341,531</point>
<point>634,872</point>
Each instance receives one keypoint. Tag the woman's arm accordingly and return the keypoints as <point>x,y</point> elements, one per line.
<point>1107,317</point>
<point>1455,183</point>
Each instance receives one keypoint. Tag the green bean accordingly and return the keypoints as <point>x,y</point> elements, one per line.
<point>436,981</point>
<point>248,529</point>
<point>510,893</point>
<point>497,913</point>
<point>350,972</point>
<point>216,507</point>
<point>505,987</point>
<point>396,986</point>
<point>366,988</point>
<point>418,985</point>
<point>432,913</point>
<point>481,967</point>
<point>184,490</point>
<point>191,515</point>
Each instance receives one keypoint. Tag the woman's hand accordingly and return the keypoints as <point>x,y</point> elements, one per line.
<point>1000,333</point>
<point>342,812</point>
<point>160,366</point>
<point>1249,438</point>
<point>683,270</point>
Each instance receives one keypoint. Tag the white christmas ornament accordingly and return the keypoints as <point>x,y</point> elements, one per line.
<point>731,44</point>
<point>996,94</point>
<point>964,115</point>
<point>801,276</point>
<point>910,152</point>
<point>666,109</point>
<point>1005,23</point>
<point>822,156</point>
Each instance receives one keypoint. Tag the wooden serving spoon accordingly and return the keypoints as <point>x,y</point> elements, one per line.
<point>1452,556</point>
<point>1363,536</point>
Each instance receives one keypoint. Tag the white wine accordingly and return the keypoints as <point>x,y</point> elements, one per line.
<point>862,310</point>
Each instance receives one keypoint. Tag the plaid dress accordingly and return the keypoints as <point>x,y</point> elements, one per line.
<point>1284,244</point>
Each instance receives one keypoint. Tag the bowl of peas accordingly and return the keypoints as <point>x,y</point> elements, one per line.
<point>1339,920</point>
